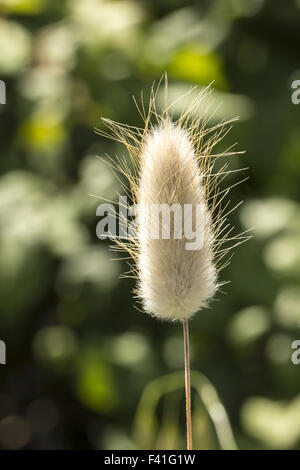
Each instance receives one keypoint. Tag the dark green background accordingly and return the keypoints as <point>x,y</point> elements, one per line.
<point>79,355</point>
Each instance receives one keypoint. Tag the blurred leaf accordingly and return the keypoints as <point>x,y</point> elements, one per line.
<point>55,345</point>
<point>44,133</point>
<point>92,265</point>
<point>22,7</point>
<point>128,349</point>
<point>274,423</point>
<point>15,55</point>
<point>248,325</point>
<point>196,65</point>
<point>287,307</point>
<point>283,254</point>
<point>95,386</point>
<point>268,216</point>
<point>146,424</point>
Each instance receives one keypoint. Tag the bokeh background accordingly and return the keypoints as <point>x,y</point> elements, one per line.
<point>85,369</point>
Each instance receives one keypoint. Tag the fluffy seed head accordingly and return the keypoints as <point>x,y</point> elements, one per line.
<point>172,164</point>
<point>174,282</point>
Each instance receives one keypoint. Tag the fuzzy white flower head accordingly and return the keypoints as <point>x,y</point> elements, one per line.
<point>174,282</point>
<point>173,168</point>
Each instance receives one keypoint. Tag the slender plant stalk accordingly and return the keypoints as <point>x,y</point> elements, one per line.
<point>187,384</point>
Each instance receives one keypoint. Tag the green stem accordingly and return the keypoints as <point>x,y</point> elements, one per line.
<point>187,384</point>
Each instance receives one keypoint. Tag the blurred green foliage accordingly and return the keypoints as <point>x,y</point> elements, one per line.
<point>79,355</point>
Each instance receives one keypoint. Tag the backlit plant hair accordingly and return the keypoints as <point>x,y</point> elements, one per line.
<point>173,162</point>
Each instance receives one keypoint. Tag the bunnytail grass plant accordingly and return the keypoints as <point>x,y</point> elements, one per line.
<point>173,167</point>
